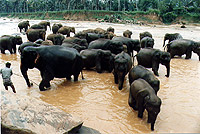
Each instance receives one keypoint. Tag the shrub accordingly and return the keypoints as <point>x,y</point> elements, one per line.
<point>169,17</point>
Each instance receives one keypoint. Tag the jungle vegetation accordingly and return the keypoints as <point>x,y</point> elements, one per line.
<point>168,10</point>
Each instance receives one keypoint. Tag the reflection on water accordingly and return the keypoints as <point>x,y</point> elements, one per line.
<point>97,100</point>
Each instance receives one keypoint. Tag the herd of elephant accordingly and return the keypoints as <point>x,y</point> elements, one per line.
<point>58,56</point>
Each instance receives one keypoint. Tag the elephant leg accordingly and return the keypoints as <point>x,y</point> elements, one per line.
<point>14,49</point>
<point>121,82</point>
<point>44,83</point>
<point>10,50</point>
<point>116,78</point>
<point>68,77</point>
<point>46,78</point>
<point>76,77</point>
<point>155,67</point>
<point>47,85</point>
<point>140,106</point>
<point>132,102</point>
<point>2,51</point>
<point>41,86</point>
<point>68,34</point>
<point>188,54</point>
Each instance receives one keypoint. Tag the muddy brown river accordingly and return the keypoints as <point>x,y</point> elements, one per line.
<point>97,100</point>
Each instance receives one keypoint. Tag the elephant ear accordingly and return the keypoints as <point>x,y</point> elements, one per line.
<point>157,56</point>
<point>146,100</point>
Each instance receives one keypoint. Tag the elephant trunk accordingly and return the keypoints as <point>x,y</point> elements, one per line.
<point>152,119</point>
<point>164,42</point>
<point>152,126</point>
<point>121,80</point>
<point>168,70</point>
<point>24,73</point>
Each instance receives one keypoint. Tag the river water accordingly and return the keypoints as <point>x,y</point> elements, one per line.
<point>97,100</point>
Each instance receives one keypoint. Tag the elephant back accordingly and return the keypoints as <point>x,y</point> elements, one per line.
<point>98,44</point>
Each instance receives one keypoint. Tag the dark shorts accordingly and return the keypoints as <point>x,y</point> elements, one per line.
<point>7,82</point>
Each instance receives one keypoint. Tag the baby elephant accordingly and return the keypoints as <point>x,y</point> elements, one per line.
<point>141,72</point>
<point>142,96</point>
<point>122,65</point>
<point>100,59</point>
<point>151,58</point>
<point>147,42</point>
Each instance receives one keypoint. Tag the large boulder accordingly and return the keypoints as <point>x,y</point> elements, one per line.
<point>22,113</point>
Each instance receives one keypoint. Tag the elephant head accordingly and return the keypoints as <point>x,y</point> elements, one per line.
<point>122,65</point>
<point>111,29</point>
<point>134,45</point>
<point>115,47</point>
<point>105,61</point>
<point>171,37</point>
<point>16,40</point>
<point>55,27</point>
<point>29,58</point>
<point>145,34</point>
<point>45,24</point>
<point>164,58</point>
<point>58,39</point>
<point>147,42</point>
<point>72,29</point>
<point>152,105</point>
<point>127,33</point>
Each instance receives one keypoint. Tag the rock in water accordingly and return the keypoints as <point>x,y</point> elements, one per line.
<point>23,113</point>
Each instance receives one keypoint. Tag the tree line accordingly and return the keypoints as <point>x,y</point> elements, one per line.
<point>166,8</point>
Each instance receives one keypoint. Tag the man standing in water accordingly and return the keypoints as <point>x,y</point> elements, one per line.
<point>6,75</point>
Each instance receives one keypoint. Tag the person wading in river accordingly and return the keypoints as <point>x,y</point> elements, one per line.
<point>6,75</point>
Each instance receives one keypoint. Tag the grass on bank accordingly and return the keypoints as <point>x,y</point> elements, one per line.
<point>168,17</point>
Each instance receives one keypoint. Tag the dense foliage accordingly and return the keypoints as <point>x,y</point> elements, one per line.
<point>167,9</point>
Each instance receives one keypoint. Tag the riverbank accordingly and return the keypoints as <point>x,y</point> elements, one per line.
<point>134,17</point>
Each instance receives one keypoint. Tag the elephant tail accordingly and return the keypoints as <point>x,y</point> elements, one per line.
<point>82,75</point>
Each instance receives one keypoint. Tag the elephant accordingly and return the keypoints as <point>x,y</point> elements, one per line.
<point>147,42</point>
<point>93,36</point>
<point>100,59</point>
<point>139,71</point>
<point>57,39</point>
<point>74,45</point>
<point>99,31</point>
<point>37,26</point>
<point>34,34</point>
<point>181,47</point>
<point>23,25</point>
<point>81,35</point>
<point>132,44</point>
<point>65,30</point>
<point>52,62</point>
<point>122,65</point>
<point>27,44</point>
<point>110,29</point>
<point>127,33</point>
<point>8,42</point>
<point>151,58</point>
<point>55,28</point>
<point>145,34</point>
<point>45,24</point>
<point>142,96</point>
<point>171,37</point>
<point>115,47</point>
<point>76,40</point>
